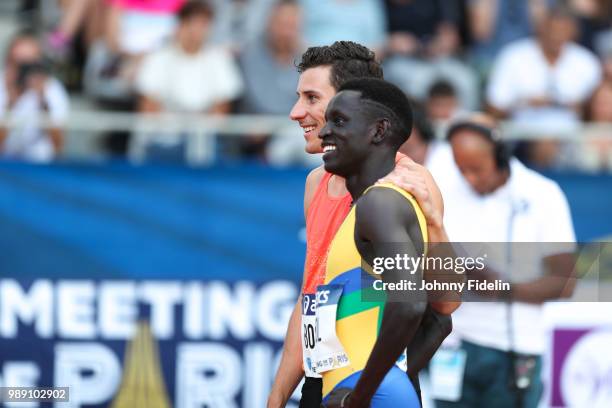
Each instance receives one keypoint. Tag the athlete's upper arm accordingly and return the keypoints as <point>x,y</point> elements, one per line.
<point>384,215</point>
<point>312,181</point>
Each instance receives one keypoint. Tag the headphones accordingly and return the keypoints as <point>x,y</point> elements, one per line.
<point>501,152</point>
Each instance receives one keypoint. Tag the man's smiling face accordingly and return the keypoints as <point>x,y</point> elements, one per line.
<point>346,135</point>
<point>314,93</point>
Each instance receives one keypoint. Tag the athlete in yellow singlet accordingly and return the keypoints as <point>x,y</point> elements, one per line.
<point>362,333</point>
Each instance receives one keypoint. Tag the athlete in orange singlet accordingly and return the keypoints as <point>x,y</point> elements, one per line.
<point>327,202</point>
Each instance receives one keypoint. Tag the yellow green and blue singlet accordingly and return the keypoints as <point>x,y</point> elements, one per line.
<point>358,322</point>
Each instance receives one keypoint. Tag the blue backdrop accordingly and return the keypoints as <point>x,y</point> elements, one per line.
<point>157,221</point>
<point>210,258</point>
<point>151,221</point>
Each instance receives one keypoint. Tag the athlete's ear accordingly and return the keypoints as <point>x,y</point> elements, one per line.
<point>379,130</point>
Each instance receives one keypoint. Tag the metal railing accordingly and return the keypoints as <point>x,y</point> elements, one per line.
<point>200,131</point>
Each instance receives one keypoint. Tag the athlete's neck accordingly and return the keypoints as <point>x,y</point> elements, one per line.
<point>336,186</point>
<point>372,169</point>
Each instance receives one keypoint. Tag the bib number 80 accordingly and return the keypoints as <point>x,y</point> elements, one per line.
<point>309,336</point>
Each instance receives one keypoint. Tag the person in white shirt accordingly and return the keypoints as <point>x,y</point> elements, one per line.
<point>543,84</point>
<point>544,81</point>
<point>188,75</point>
<point>493,198</point>
<point>29,95</point>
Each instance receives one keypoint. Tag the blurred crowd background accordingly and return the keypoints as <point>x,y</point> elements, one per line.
<point>542,66</point>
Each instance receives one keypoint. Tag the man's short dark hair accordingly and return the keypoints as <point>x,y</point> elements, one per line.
<point>441,88</point>
<point>348,60</point>
<point>390,99</point>
<point>195,8</point>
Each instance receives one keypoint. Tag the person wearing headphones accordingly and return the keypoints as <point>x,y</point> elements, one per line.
<point>494,200</point>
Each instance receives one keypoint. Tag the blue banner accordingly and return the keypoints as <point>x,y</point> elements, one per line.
<point>150,286</point>
<point>164,286</point>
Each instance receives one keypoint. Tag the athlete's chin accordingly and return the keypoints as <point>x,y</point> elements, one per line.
<point>330,169</point>
<point>332,166</point>
<point>313,147</point>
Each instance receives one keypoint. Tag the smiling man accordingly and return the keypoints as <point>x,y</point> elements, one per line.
<point>326,204</point>
<point>366,123</point>
<point>512,204</point>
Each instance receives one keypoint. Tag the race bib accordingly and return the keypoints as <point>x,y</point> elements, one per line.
<point>309,335</point>
<point>329,353</point>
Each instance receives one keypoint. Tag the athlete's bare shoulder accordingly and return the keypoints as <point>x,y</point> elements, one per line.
<point>312,181</point>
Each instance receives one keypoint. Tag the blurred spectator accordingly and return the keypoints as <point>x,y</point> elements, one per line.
<point>424,148</point>
<point>417,147</point>
<point>133,29</point>
<point>361,21</point>
<point>187,76</point>
<point>28,93</point>
<point>237,22</point>
<point>534,82</point>
<point>441,106</point>
<point>600,111</point>
<point>136,27</point>
<point>422,48</point>
<point>495,23</point>
<point>595,20</point>
<point>595,154</point>
<point>600,106</point>
<point>267,64</point>
<point>423,27</point>
<point>535,79</point>
<point>442,103</point>
<point>74,15</point>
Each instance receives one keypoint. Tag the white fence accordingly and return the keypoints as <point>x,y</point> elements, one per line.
<point>84,130</point>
